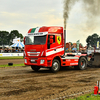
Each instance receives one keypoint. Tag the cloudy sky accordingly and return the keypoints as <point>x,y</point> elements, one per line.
<point>22,15</point>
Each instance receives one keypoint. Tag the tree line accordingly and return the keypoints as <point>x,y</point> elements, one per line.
<point>92,40</point>
<point>6,38</point>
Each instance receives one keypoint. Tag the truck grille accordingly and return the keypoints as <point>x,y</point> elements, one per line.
<point>33,53</point>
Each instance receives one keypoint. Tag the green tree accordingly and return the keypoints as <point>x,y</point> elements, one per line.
<point>92,40</point>
<point>4,38</point>
<point>14,34</point>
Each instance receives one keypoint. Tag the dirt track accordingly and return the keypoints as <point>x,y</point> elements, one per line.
<point>21,83</point>
<point>14,61</point>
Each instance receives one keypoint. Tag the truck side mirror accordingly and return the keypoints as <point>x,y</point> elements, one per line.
<point>51,41</point>
<point>51,37</point>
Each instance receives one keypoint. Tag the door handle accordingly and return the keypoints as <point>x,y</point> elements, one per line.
<point>54,49</point>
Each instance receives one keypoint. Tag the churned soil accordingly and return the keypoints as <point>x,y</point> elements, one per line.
<point>22,83</point>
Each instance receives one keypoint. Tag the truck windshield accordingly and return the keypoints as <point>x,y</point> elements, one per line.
<point>31,40</point>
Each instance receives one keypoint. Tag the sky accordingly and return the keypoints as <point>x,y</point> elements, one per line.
<point>22,15</point>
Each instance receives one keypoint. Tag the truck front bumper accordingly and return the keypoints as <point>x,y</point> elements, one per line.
<point>42,62</point>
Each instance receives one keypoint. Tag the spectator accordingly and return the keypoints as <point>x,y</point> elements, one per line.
<point>2,50</point>
<point>16,50</point>
<point>13,50</point>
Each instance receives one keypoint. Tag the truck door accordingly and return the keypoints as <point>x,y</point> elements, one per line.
<point>55,46</point>
<point>51,46</point>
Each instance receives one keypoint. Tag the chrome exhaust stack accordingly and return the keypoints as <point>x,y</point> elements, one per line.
<point>64,36</point>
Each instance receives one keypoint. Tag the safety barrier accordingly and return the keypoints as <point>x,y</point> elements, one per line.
<point>10,54</point>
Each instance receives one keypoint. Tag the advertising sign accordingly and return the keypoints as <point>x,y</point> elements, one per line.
<point>10,54</point>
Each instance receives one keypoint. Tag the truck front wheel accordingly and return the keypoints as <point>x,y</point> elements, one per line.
<point>55,65</point>
<point>35,68</point>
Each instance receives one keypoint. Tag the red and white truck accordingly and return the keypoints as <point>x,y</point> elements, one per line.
<point>44,48</point>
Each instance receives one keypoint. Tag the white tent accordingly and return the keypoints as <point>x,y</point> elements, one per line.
<point>19,44</point>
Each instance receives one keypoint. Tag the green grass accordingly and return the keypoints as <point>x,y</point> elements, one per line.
<point>16,57</point>
<point>87,97</point>
<point>12,65</point>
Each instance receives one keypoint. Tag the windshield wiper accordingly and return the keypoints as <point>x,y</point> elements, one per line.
<point>28,44</point>
<point>37,43</point>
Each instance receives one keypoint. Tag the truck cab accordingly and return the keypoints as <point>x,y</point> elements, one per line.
<point>44,47</point>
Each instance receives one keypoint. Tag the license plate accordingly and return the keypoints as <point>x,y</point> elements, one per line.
<point>32,60</point>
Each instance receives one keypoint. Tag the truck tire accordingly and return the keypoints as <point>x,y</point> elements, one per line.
<point>35,68</point>
<point>82,64</point>
<point>55,66</point>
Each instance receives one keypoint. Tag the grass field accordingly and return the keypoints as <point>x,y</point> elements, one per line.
<point>90,96</point>
<point>15,57</point>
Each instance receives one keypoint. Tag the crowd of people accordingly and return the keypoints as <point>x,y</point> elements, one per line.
<point>11,50</point>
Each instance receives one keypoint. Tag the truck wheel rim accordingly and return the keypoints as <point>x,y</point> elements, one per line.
<point>55,65</point>
<point>83,64</point>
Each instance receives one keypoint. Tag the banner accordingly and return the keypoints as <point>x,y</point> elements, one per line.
<point>97,44</point>
<point>17,40</point>
<point>78,42</point>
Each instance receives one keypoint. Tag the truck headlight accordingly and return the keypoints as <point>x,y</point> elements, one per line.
<point>41,61</point>
<point>25,60</point>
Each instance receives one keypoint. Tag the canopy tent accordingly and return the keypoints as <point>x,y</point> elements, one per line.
<point>19,44</point>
